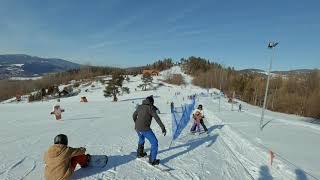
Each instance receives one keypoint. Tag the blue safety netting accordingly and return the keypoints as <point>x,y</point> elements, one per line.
<point>181,117</point>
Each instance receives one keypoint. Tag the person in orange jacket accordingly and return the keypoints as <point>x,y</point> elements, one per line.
<point>61,160</point>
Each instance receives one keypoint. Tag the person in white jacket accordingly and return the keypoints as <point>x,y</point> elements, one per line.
<point>199,109</point>
<point>57,111</point>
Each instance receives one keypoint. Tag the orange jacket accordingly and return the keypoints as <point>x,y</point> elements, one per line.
<point>58,161</point>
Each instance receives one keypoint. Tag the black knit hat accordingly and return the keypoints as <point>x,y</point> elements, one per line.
<point>150,99</point>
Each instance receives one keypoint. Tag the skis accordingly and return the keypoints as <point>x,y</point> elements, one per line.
<point>199,133</point>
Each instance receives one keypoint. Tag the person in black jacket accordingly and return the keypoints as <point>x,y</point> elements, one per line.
<point>142,118</point>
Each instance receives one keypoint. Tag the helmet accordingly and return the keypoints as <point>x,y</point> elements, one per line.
<point>61,139</point>
<point>150,99</point>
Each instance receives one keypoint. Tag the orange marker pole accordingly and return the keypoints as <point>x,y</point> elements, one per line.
<point>271,157</point>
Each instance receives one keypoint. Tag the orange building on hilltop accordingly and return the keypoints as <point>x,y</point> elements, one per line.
<point>152,72</point>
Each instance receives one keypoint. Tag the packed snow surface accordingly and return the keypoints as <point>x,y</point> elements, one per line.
<point>235,148</point>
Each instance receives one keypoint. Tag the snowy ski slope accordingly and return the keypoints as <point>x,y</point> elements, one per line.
<point>234,148</point>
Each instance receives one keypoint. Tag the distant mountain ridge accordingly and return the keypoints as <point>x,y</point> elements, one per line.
<point>295,71</point>
<point>251,70</point>
<point>21,65</point>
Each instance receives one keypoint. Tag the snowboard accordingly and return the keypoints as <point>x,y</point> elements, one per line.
<point>98,161</point>
<point>159,167</point>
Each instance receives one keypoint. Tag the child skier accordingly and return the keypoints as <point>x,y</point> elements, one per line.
<point>61,160</point>
<point>57,111</point>
<point>196,124</point>
<point>199,109</point>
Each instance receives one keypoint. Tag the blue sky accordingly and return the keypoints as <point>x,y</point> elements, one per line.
<point>131,33</point>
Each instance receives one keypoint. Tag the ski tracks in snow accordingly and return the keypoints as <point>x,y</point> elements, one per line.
<point>19,169</point>
<point>244,154</point>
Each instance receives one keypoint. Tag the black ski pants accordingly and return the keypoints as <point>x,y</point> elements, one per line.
<point>203,125</point>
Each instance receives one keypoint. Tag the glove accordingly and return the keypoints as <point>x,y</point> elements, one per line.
<point>83,149</point>
<point>164,132</point>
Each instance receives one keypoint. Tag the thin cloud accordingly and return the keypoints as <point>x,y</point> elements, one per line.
<point>183,14</point>
<point>107,33</point>
<point>124,24</point>
<point>107,44</point>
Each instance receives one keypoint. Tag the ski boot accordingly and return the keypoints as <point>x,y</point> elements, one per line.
<point>154,162</point>
<point>140,151</point>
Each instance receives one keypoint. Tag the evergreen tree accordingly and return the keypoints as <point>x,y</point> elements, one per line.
<point>43,92</point>
<point>146,81</point>
<point>125,90</point>
<point>50,90</point>
<point>115,86</point>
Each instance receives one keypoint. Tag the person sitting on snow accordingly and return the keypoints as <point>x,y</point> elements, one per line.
<point>61,160</point>
<point>142,118</point>
<point>200,110</point>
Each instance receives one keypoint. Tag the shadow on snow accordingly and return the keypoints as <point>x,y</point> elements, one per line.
<point>133,99</point>
<point>117,160</point>
<point>264,173</point>
<point>113,163</point>
<point>300,174</point>
<point>83,118</point>
<point>192,144</point>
